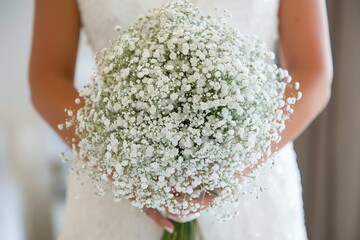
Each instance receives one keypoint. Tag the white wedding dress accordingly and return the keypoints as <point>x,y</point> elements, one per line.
<point>277,213</point>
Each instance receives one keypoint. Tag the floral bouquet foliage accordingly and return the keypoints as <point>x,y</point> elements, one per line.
<point>181,101</point>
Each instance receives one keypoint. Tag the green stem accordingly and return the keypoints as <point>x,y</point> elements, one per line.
<point>183,231</point>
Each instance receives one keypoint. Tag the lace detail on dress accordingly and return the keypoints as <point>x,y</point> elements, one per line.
<point>256,17</point>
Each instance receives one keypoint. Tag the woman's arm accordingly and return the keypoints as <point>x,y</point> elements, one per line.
<point>52,62</point>
<point>305,52</point>
<point>52,66</point>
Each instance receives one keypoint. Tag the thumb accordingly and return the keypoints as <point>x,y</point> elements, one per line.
<point>160,220</point>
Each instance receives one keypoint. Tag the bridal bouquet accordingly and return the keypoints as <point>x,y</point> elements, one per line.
<point>181,102</point>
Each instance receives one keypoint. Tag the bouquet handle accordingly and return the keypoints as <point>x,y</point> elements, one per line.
<point>184,231</point>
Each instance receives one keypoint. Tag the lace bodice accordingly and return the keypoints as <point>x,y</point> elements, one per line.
<point>256,17</point>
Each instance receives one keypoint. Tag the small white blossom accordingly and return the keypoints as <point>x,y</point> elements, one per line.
<point>173,55</point>
<point>180,102</point>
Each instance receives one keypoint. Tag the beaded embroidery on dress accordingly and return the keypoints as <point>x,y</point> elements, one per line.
<point>275,213</point>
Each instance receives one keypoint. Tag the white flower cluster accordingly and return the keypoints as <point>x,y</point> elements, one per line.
<point>181,101</point>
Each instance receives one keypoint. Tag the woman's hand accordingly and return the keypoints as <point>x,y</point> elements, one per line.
<point>160,219</point>
<point>163,220</point>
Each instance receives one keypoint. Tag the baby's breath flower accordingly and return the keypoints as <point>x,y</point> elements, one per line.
<point>181,101</point>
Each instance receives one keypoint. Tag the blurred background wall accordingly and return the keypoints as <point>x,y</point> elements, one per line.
<point>33,179</point>
<point>329,151</point>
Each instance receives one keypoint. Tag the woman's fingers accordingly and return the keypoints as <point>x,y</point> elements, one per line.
<point>204,200</point>
<point>160,220</point>
<point>110,176</point>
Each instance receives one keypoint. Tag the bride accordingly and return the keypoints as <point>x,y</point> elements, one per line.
<point>300,28</point>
